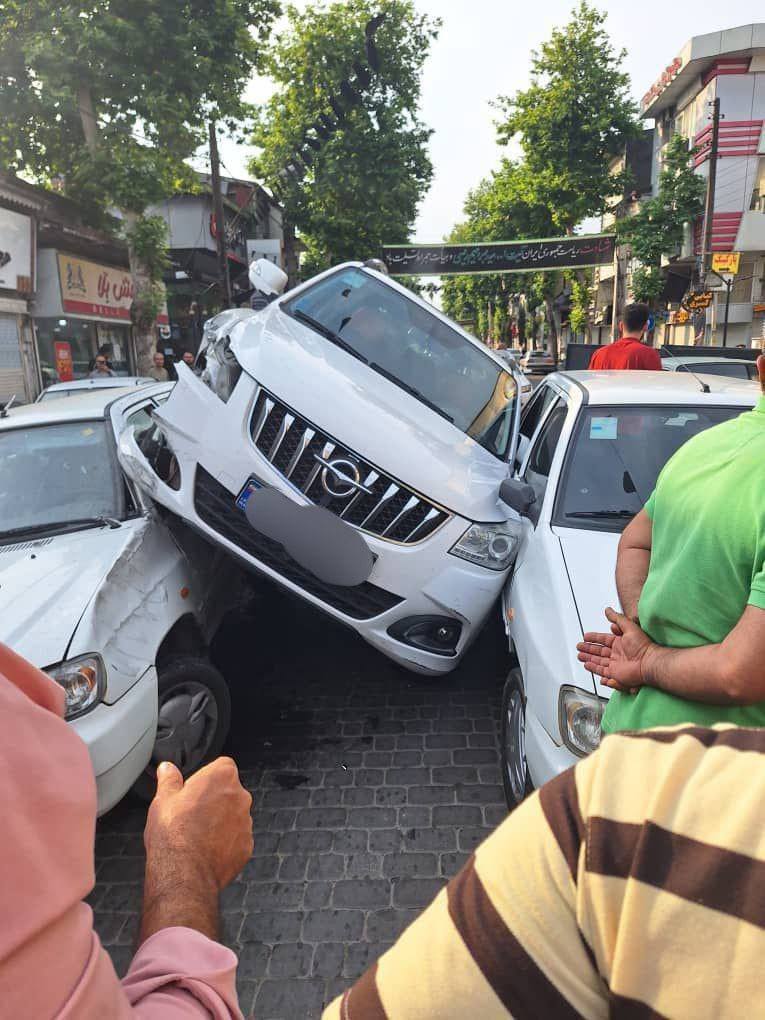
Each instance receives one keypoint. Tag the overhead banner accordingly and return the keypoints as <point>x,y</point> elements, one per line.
<point>581,251</point>
<point>88,288</point>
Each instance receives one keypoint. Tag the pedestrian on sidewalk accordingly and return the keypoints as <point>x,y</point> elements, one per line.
<point>629,351</point>
<point>689,644</point>
<point>158,371</point>
<point>198,838</point>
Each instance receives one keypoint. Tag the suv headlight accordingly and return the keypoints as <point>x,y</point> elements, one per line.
<point>579,716</point>
<point>84,683</point>
<point>222,370</point>
<point>490,545</point>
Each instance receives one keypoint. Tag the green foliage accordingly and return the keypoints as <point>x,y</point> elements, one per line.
<point>148,239</point>
<point>581,292</point>
<point>152,72</point>
<point>368,177</point>
<point>657,228</point>
<point>575,116</point>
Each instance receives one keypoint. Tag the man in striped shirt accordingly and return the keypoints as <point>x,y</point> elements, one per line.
<point>631,886</point>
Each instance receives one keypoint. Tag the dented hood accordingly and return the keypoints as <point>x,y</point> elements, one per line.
<point>47,584</point>
<point>371,415</point>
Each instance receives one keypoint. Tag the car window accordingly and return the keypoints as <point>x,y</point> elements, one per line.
<point>407,344</point>
<point>54,475</point>
<point>535,409</point>
<point>731,370</point>
<point>537,471</point>
<point>616,455</point>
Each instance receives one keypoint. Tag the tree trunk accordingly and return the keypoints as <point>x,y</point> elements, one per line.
<point>144,326</point>
<point>553,325</point>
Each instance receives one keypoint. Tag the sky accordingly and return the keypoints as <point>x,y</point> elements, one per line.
<point>484,51</point>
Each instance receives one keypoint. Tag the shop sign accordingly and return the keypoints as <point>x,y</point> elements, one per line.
<point>726,262</point>
<point>680,317</point>
<point>15,251</point>
<point>668,75</point>
<point>62,352</point>
<point>88,288</point>
<point>701,299</point>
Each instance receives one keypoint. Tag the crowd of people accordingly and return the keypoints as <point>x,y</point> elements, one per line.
<point>630,885</point>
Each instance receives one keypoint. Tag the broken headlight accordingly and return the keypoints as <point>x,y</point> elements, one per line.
<point>84,683</point>
<point>222,370</point>
<point>490,545</point>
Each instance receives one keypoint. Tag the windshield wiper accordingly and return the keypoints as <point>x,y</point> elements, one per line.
<point>77,522</point>
<point>330,334</point>
<point>604,514</point>
<point>410,389</point>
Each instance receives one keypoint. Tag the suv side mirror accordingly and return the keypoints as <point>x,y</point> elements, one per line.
<point>520,496</point>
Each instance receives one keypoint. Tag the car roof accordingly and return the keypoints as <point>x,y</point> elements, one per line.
<point>705,360</point>
<point>114,382</point>
<point>658,388</point>
<point>91,404</point>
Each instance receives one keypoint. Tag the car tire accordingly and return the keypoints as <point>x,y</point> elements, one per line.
<point>193,719</point>
<point>515,773</point>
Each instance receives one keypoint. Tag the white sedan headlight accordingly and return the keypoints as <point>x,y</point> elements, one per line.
<point>579,716</point>
<point>490,545</point>
<point>84,683</point>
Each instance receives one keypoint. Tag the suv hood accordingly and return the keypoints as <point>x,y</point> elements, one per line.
<point>368,413</point>
<point>46,585</point>
<point>590,558</point>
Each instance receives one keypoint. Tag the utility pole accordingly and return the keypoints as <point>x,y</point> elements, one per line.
<point>220,225</point>
<point>615,305</point>
<point>709,211</point>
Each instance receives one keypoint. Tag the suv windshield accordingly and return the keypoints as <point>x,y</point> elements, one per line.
<point>415,350</point>
<point>731,369</point>
<point>616,456</point>
<point>54,477</point>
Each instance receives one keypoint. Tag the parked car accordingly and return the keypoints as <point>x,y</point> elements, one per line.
<point>591,447</point>
<point>537,363</point>
<point>98,591</point>
<point>353,443</point>
<point>731,368</point>
<point>78,386</point>
<point>506,355</point>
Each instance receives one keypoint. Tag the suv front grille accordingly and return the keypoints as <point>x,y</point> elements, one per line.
<point>380,505</point>
<point>216,506</point>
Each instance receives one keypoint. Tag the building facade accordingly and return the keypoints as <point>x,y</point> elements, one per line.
<point>729,66</point>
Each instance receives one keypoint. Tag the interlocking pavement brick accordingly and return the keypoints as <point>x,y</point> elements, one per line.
<point>266,843</point>
<point>387,925</point>
<point>410,865</point>
<point>317,895</point>
<point>494,814</point>
<point>260,869</point>
<point>269,896</point>
<point>333,925</point>
<point>457,814</point>
<point>326,797</point>
<point>450,741</point>
<point>109,926</point>
<point>415,892</point>
<point>455,774</point>
<point>305,841</point>
<point>328,959</point>
<point>476,756</point>
<point>290,960</point>
<point>451,863</point>
<point>364,893</point>
<point>350,841</point>
<point>292,867</point>
<point>442,757</point>
<point>371,818</point>
<point>302,998</point>
<point>431,794</point>
<point>480,793</point>
<point>339,777</point>
<point>430,839</point>
<point>364,865</point>
<point>121,869</point>
<point>404,759</point>
<point>390,796</point>
<point>409,742</point>
<point>326,866</point>
<point>286,798</point>
<point>232,897</point>
<point>482,740</point>
<point>358,796</point>
<point>271,926</point>
<point>414,817</point>
<point>321,818</point>
<point>385,840</point>
<point>358,957</point>
<point>378,759</point>
<point>245,993</point>
<point>369,777</point>
<point>469,838</point>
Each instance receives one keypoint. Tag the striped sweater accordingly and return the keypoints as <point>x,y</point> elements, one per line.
<point>631,886</point>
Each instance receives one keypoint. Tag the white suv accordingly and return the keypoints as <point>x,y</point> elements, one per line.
<point>101,593</point>
<point>591,447</point>
<point>349,442</point>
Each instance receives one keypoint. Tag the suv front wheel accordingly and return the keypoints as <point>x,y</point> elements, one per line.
<point>515,772</point>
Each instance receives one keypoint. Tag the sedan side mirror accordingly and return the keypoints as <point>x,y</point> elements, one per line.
<point>520,496</point>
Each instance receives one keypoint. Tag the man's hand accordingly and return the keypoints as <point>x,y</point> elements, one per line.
<point>198,837</point>
<point>617,658</point>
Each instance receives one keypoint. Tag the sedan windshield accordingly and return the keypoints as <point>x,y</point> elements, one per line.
<point>616,456</point>
<point>415,350</point>
<point>56,477</point>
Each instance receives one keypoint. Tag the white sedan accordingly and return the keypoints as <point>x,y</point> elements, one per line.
<point>731,368</point>
<point>591,447</point>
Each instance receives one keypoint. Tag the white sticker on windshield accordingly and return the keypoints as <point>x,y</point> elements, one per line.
<point>682,419</point>
<point>603,428</point>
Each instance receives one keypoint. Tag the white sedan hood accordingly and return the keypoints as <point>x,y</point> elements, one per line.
<point>591,562</point>
<point>372,416</point>
<point>47,584</point>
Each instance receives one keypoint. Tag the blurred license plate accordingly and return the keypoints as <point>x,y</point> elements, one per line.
<point>250,486</point>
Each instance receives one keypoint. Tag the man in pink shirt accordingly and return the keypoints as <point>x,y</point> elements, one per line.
<point>198,838</point>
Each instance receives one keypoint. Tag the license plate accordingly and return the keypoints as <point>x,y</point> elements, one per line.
<point>250,486</point>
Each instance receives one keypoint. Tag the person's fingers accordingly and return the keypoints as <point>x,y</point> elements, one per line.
<point>616,630</point>
<point>617,619</point>
<point>169,779</point>
<point>594,648</point>
<point>598,638</point>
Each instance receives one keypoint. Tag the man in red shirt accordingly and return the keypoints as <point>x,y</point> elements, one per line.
<point>629,351</point>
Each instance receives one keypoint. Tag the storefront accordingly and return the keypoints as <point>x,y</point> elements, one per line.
<point>82,307</point>
<point>17,368</point>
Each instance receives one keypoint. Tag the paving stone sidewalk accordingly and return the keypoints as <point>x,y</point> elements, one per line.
<point>370,789</point>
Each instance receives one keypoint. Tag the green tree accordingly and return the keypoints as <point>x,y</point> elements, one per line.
<point>656,230</point>
<point>114,96</point>
<point>367,179</point>
<point>573,119</point>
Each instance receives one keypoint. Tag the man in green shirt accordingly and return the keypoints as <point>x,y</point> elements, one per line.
<point>690,572</point>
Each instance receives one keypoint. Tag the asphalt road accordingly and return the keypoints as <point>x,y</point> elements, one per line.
<point>370,786</point>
